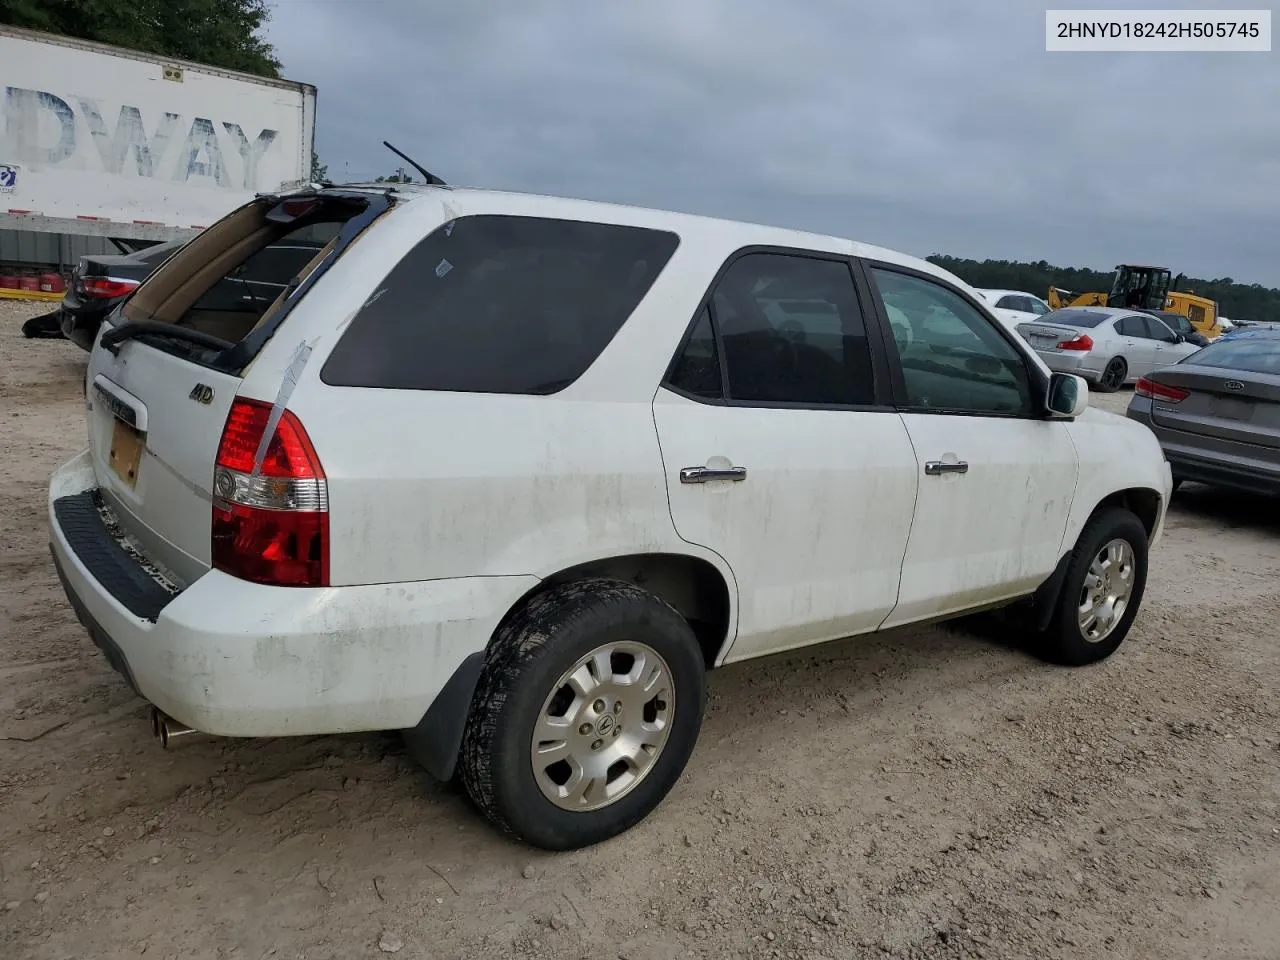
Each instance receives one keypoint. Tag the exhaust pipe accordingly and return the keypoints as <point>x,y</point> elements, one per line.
<point>166,729</point>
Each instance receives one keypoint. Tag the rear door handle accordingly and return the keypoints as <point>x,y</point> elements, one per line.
<point>936,468</point>
<point>704,474</point>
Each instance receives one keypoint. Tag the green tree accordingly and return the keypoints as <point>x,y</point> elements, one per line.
<point>221,33</point>
<point>398,177</point>
<point>319,171</point>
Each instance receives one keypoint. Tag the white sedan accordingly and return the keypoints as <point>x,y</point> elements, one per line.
<point>1106,346</point>
<point>1014,306</point>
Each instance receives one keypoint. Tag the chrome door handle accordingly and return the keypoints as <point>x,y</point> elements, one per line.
<point>934,468</point>
<point>703,474</point>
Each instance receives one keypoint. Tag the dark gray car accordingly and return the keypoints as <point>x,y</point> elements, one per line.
<point>1217,413</point>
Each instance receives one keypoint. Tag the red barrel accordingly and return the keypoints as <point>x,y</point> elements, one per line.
<point>8,281</point>
<point>29,283</point>
<point>52,283</point>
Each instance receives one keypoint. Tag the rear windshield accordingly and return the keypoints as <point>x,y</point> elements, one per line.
<point>1248,355</point>
<point>500,304</point>
<point>1075,318</point>
<point>235,281</point>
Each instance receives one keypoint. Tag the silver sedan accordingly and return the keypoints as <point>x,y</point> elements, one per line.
<point>1106,346</point>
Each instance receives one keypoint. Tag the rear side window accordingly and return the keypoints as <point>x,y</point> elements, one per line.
<point>500,304</point>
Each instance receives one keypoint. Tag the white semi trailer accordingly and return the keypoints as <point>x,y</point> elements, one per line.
<point>101,141</point>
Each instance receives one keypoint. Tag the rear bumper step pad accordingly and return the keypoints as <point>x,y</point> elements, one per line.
<point>107,558</point>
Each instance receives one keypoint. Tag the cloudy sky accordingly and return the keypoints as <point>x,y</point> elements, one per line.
<point>930,126</point>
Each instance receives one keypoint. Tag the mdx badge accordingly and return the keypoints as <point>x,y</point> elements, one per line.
<point>201,393</point>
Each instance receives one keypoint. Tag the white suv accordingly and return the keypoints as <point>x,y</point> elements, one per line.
<point>511,473</point>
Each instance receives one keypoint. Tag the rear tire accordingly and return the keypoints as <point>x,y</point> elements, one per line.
<point>1113,375</point>
<point>1101,592</point>
<point>567,744</point>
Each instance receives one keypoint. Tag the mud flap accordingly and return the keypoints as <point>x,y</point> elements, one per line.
<point>436,740</point>
<point>1045,600</point>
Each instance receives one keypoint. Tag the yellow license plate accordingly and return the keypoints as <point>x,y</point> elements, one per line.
<point>127,445</point>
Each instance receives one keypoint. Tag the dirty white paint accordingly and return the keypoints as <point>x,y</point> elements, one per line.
<point>994,532</point>
<point>91,131</point>
<point>815,533</point>
<point>446,508</point>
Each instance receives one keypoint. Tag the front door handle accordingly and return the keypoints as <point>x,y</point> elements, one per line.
<point>935,468</point>
<point>704,474</point>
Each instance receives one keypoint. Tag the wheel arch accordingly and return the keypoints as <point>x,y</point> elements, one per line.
<point>1142,502</point>
<point>700,590</point>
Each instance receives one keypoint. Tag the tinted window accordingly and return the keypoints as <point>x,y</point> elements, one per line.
<point>952,357</point>
<point>1157,330</point>
<point>1075,318</point>
<point>1131,327</point>
<point>1247,354</point>
<point>1010,303</point>
<point>497,304</point>
<point>792,331</point>
<point>1038,307</point>
<point>697,371</point>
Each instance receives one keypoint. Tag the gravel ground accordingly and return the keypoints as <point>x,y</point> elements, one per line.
<point>926,793</point>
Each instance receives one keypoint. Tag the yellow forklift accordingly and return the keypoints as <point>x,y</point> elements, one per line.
<point>1138,287</point>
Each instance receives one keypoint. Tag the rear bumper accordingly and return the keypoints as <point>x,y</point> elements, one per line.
<point>1081,364</point>
<point>80,327</point>
<point>234,658</point>
<point>1190,458</point>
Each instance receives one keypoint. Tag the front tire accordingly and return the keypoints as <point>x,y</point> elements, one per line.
<point>585,715</point>
<point>1101,592</point>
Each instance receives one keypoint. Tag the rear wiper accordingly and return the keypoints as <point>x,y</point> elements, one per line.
<point>112,339</point>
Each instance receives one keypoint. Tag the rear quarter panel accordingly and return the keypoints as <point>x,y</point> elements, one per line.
<point>426,485</point>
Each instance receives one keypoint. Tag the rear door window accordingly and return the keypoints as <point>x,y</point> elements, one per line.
<point>500,304</point>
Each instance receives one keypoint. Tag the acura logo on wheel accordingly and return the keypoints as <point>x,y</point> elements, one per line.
<point>1234,385</point>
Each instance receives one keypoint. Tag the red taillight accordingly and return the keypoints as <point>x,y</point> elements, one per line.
<point>1081,341</point>
<point>106,288</point>
<point>270,525</point>
<point>1160,391</point>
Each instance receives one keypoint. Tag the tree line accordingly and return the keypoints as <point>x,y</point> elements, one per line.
<point>1239,301</point>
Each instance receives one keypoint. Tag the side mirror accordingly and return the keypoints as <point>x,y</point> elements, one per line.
<point>1068,396</point>
<point>1179,338</point>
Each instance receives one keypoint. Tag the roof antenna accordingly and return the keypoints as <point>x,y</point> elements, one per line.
<point>427,174</point>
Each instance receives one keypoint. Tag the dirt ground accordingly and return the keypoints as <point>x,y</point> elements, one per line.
<point>922,794</point>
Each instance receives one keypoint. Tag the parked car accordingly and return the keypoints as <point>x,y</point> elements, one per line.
<point>1107,346</point>
<point>1217,413</point>
<point>1015,306</point>
<point>1180,324</point>
<point>511,473</point>
<point>99,284</point>
<point>1242,328</point>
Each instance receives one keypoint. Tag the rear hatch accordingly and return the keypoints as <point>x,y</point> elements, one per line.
<point>164,374</point>
<point>1230,406</point>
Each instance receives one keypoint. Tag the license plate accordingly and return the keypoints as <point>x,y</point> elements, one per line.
<point>127,445</point>
<point>1229,409</point>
